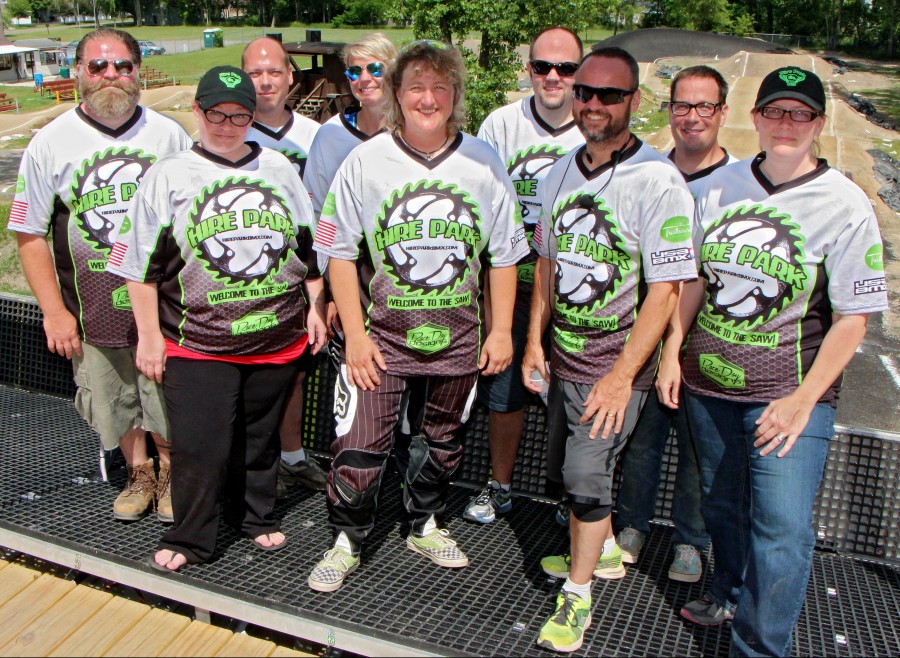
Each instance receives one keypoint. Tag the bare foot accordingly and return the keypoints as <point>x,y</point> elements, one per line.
<point>269,540</point>
<point>171,560</point>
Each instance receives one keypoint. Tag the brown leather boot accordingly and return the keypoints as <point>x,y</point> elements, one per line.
<point>164,495</point>
<point>138,495</point>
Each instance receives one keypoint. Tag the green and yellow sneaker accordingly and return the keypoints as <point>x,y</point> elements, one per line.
<point>439,548</point>
<point>609,567</point>
<point>564,630</point>
<point>329,574</point>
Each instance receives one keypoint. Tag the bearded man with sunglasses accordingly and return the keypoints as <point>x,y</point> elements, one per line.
<point>615,234</point>
<point>75,180</point>
<point>530,135</point>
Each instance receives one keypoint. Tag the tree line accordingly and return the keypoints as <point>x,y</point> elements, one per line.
<point>865,26</point>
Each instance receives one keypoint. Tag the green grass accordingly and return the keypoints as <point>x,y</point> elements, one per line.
<point>891,147</point>
<point>885,100</point>
<point>29,100</point>
<point>10,269</point>
<point>187,67</point>
<point>656,119</point>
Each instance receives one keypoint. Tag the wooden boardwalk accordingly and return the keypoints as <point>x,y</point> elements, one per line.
<point>42,614</point>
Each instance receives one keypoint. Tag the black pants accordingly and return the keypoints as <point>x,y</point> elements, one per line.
<point>223,422</point>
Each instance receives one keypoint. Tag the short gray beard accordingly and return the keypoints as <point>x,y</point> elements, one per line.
<point>111,101</point>
<point>611,133</point>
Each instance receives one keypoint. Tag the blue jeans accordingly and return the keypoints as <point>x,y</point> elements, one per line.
<point>641,466</point>
<point>759,513</point>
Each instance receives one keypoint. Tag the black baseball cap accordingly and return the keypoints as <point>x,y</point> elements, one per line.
<point>795,83</point>
<point>226,84</point>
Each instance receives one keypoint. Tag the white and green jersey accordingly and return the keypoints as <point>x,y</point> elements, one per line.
<point>76,179</point>
<point>293,139</point>
<point>229,245</point>
<point>778,261</point>
<point>697,180</point>
<point>333,143</point>
<point>530,147</point>
<point>421,233</point>
<point>609,233</point>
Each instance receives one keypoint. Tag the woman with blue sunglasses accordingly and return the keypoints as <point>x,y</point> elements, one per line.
<point>367,60</point>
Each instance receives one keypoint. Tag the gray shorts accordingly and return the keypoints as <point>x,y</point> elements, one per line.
<point>113,396</point>
<point>584,465</point>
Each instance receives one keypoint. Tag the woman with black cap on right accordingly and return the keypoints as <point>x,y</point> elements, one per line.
<point>790,270</point>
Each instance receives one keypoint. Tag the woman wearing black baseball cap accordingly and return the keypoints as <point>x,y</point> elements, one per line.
<point>790,270</point>
<point>219,258</point>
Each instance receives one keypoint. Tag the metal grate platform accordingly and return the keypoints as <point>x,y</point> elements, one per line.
<point>53,506</point>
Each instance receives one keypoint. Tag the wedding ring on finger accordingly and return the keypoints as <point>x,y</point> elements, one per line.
<point>779,437</point>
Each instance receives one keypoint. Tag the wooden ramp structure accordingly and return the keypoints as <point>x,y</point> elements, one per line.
<point>44,614</point>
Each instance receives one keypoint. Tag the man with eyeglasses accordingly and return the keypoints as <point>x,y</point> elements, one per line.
<point>696,112</point>
<point>277,127</point>
<point>614,240</point>
<point>75,180</point>
<point>530,135</point>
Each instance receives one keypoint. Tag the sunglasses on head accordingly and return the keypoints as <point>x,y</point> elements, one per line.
<point>97,67</point>
<point>565,69</point>
<point>606,95</point>
<point>375,69</point>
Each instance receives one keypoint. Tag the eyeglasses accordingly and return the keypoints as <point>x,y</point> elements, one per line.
<point>606,95</point>
<point>800,116</point>
<point>565,69</point>
<point>440,45</point>
<point>97,67</point>
<point>375,69</point>
<point>239,120</point>
<point>705,110</point>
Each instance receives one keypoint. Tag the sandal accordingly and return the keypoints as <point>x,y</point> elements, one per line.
<point>273,547</point>
<point>162,568</point>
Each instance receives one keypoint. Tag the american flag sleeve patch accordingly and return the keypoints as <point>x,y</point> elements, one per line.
<point>117,254</point>
<point>17,212</point>
<point>325,233</point>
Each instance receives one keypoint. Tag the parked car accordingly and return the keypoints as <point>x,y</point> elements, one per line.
<point>150,48</point>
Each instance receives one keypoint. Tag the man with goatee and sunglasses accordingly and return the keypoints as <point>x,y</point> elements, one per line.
<point>614,239</point>
<point>75,181</point>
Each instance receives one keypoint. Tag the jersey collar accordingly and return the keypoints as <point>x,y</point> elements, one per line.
<point>554,132</point>
<point>106,130</point>
<point>353,130</point>
<point>425,162</point>
<point>703,173</point>
<point>277,135</point>
<point>255,150</point>
<point>623,156</point>
<point>821,168</point>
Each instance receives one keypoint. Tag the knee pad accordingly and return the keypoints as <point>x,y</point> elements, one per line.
<point>590,512</point>
<point>422,467</point>
<point>355,484</point>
